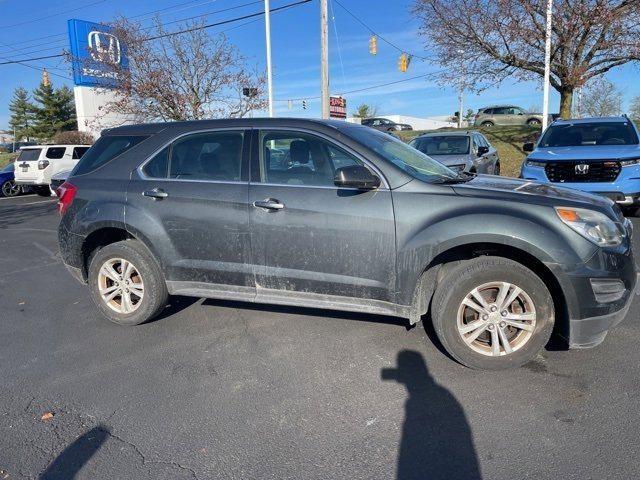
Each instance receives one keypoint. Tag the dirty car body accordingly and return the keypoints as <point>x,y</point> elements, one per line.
<point>331,215</point>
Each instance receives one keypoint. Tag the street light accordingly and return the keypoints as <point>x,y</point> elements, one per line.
<point>547,67</point>
<point>267,28</point>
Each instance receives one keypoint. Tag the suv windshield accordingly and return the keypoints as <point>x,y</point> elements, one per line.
<point>29,154</point>
<point>592,133</point>
<point>442,145</point>
<point>412,161</point>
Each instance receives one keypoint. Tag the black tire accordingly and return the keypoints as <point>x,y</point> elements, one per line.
<point>534,122</point>
<point>496,169</point>
<point>630,211</point>
<point>8,189</point>
<point>459,281</point>
<point>43,191</point>
<point>155,295</point>
<point>487,124</point>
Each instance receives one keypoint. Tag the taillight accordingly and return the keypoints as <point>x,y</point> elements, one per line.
<point>42,164</point>
<point>66,193</point>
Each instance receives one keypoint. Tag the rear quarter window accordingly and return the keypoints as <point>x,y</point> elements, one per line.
<point>106,149</point>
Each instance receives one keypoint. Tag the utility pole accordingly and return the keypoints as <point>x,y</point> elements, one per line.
<point>460,104</point>
<point>324,58</point>
<point>547,67</point>
<point>267,27</point>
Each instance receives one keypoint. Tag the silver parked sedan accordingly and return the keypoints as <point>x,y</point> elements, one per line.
<point>460,151</point>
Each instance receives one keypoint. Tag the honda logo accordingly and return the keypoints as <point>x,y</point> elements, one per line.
<point>582,168</point>
<point>104,47</point>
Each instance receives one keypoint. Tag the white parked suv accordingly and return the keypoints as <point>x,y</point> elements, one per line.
<point>36,164</point>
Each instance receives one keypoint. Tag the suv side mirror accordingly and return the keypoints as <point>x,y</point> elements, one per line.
<point>482,150</point>
<point>528,147</point>
<point>356,176</point>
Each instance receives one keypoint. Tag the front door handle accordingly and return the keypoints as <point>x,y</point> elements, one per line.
<point>269,204</point>
<point>155,193</point>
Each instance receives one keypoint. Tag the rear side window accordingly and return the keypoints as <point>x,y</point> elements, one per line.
<point>54,153</point>
<point>29,155</point>
<point>104,150</point>
<point>78,152</point>
<point>207,156</point>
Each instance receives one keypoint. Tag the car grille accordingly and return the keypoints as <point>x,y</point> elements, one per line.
<point>598,171</point>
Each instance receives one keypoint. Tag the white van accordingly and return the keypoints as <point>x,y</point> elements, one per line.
<point>36,164</point>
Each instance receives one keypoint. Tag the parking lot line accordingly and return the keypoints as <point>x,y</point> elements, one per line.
<point>31,203</point>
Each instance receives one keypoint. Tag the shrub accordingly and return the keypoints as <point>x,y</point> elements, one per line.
<point>73,137</point>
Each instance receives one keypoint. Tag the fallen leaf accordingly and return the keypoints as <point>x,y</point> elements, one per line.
<point>47,416</point>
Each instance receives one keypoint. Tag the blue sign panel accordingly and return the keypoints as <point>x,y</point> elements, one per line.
<point>97,54</point>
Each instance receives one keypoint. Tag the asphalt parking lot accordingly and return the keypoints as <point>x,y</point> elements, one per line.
<point>218,389</point>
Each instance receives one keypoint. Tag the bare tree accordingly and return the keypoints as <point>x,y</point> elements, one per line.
<point>634,108</point>
<point>497,39</point>
<point>184,76</point>
<point>600,98</point>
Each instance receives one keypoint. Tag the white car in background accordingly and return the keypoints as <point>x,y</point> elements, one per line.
<point>36,164</point>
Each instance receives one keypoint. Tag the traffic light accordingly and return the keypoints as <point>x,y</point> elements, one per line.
<point>373,45</point>
<point>403,62</point>
<point>304,104</point>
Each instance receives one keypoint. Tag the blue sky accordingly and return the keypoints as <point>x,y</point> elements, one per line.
<point>295,52</point>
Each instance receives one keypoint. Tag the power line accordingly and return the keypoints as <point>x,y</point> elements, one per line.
<point>373,32</point>
<point>52,15</point>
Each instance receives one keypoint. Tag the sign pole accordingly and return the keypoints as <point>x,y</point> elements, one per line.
<point>324,58</point>
<point>267,28</point>
<point>547,68</point>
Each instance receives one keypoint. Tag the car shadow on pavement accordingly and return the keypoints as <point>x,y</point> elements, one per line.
<point>436,438</point>
<point>75,456</point>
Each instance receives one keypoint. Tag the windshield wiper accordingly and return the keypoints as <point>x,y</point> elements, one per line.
<point>462,177</point>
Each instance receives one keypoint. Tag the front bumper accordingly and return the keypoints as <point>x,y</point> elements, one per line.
<point>623,191</point>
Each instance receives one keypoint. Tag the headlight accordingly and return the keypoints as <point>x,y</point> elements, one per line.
<point>631,161</point>
<point>533,163</point>
<point>592,225</point>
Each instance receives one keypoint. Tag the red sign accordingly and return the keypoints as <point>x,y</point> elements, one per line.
<point>337,107</point>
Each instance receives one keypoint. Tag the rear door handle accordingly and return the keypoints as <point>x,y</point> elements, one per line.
<point>155,193</point>
<point>269,204</point>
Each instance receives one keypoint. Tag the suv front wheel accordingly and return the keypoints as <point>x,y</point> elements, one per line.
<point>492,313</point>
<point>126,283</point>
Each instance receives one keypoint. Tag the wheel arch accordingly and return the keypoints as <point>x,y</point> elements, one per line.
<point>445,260</point>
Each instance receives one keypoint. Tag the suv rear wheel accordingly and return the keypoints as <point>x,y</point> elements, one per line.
<point>126,283</point>
<point>492,313</point>
<point>533,122</point>
<point>487,124</point>
<point>43,190</point>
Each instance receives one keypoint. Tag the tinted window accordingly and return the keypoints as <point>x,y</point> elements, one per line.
<point>8,168</point>
<point>29,154</point>
<point>157,166</point>
<point>442,145</point>
<point>594,133</point>
<point>296,158</point>
<point>78,152</point>
<point>483,141</point>
<point>500,111</point>
<point>488,111</point>
<point>207,156</point>
<point>55,153</point>
<point>104,150</point>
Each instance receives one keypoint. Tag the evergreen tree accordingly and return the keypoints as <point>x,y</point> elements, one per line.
<point>55,111</point>
<point>22,110</point>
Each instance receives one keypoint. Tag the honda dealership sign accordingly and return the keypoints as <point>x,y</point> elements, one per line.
<point>97,54</point>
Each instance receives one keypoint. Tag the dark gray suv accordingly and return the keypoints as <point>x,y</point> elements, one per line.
<point>334,215</point>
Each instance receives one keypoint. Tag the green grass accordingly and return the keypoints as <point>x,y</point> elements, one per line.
<point>5,158</point>
<point>507,140</point>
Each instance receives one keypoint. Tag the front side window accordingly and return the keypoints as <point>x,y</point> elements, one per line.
<point>215,156</point>
<point>416,163</point>
<point>591,133</point>
<point>157,167</point>
<point>55,153</point>
<point>29,154</point>
<point>442,145</point>
<point>104,150</point>
<point>8,168</point>
<point>297,158</point>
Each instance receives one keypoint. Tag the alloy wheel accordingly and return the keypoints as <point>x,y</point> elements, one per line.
<point>120,285</point>
<point>496,318</point>
<point>10,189</point>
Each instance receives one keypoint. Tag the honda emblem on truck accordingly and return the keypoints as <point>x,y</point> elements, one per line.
<point>582,168</point>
